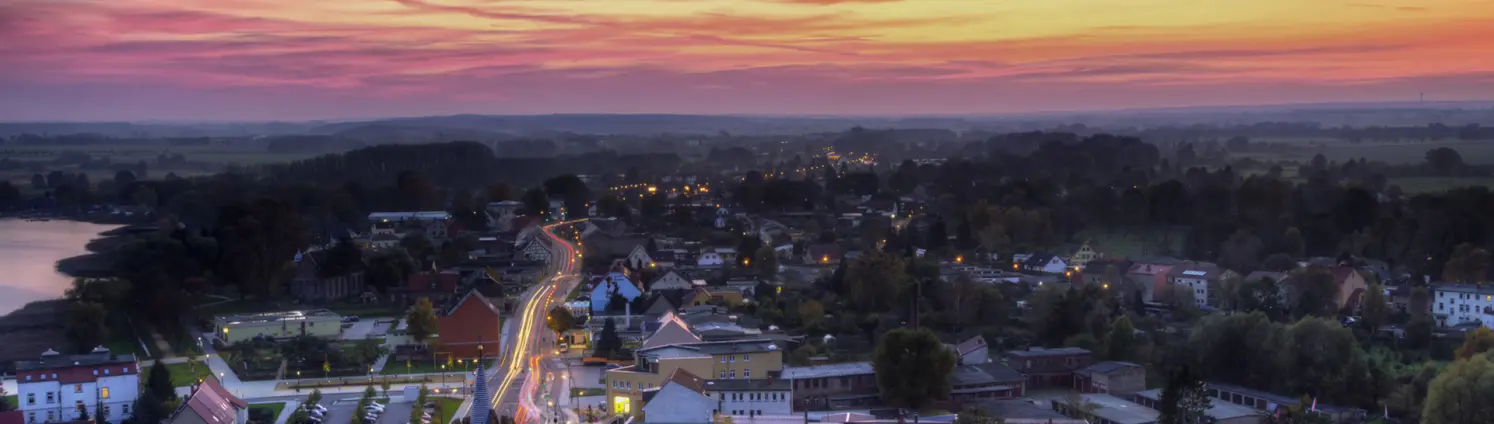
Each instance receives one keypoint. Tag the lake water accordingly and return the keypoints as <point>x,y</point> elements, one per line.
<point>29,251</point>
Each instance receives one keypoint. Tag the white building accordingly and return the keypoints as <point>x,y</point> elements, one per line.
<point>432,223</point>
<point>678,401</point>
<point>639,258</point>
<point>709,258</point>
<point>1458,304</point>
<point>670,281</point>
<point>751,397</point>
<point>54,387</point>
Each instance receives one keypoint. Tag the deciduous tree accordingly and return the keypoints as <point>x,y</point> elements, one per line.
<point>912,367</point>
<point>420,322</point>
<point>1475,342</point>
<point>1461,394</point>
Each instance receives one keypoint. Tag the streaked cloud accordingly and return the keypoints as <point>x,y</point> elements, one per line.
<point>257,59</point>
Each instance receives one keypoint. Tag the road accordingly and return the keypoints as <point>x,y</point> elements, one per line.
<point>512,386</point>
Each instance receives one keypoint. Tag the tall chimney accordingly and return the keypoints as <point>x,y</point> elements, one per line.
<point>628,315</point>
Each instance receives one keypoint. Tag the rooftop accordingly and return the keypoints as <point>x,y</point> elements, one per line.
<point>1118,410</point>
<point>395,216</point>
<point>725,347</point>
<point>741,384</point>
<point>1106,367</point>
<point>51,359</point>
<point>1036,352</point>
<point>1218,409</point>
<point>828,370</point>
<point>265,317</point>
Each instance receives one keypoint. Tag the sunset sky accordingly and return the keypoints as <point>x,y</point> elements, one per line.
<point>327,59</point>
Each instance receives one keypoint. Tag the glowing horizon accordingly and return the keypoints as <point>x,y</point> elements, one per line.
<point>287,60</point>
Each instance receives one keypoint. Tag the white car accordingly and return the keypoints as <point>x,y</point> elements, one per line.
<point>317,408</point>
<point>374,409</point>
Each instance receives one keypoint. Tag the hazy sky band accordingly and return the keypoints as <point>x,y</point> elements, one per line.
<point>281,59</point>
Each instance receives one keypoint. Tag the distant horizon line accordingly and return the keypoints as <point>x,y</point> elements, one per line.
<point>1367,106</point>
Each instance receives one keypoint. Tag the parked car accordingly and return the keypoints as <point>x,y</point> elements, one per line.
<point>374,408</point>
<point>350,318</point>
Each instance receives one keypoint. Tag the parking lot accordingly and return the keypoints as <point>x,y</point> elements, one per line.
<point>366,328</point>
<point>342,411</point>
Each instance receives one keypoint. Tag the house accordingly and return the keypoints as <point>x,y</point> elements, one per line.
<point>1219,412</point>
<point>639,258</point>
<point>1271,402</point>
<point>736,359</point>
<point>1106,409</point>
<point>661,302</point>
<point>52,388</point>
<point>210,403</point>
<point>832,386</point>
<point>1351,286</point>
<point>312,284</point>
<point>751,398</point>
<point>533,250</point>
<point>680,399</point>
<point>1083,256</point>
<point>709,258</point>
<point>702,296</point>
<point>438,286</point>
<point>985,381</point>
<point>1455,304</point>
<point>1044,263</point>
<point>672,331</point>
<point>1094,271</point>
<point>471,328</point>
<point>671,280</point>
<point>1048,368</point>
<point>1110,377</point>
<point>613,283</point>
<point>433,224</point>
<point>1149,276</point>
<point>972,351</point>
<point>318,323</point>
<point>823,254</point>
<point>744,285</point>
<point>1198,277</point>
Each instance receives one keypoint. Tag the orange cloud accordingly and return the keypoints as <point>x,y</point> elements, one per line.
<point>670,55</point>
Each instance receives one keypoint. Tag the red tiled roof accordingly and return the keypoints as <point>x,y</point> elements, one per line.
<point>685,378</point>
<point>212,404</point>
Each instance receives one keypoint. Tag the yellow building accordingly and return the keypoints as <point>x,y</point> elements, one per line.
<point>278,325</point>
<point>1082,257</point>
<point>735,359</point>
<point>703,296</point>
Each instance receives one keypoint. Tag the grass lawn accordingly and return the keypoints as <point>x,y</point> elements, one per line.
<point>181,374</point>
<point>587,391</point>
<point>13,400</point>
<point>274,408</point>
<point>448,407</point>
<point>122,338</point>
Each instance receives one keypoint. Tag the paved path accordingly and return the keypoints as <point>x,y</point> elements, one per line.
<point>378,366</point>
<point>285,414</point>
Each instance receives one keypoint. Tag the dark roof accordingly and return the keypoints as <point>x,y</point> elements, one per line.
<point>984,375</point>
<point>1105,367</point>
<point>725,347</point>
<point>675,298</point>
<point>685,378</point>
<point>1038,352</point>
<point>971,345</point>
<point>1038,259</point>
<point>64,361</point>
<point>739,384</point>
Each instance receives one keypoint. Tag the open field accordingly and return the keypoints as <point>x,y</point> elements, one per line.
<point>1123,244</point>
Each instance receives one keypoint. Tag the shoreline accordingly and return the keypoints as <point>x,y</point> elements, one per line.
<point>96,263</point>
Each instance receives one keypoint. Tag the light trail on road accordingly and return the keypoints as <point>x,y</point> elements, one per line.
<point>538,303</point>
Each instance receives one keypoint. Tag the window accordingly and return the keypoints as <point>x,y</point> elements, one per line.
<point>49,399</point>
<point>104,393</point>
<point>106,371</point>
<point>51,415</point>
<point>746,358</point>
<point>31,417</point>
<point>125,408</point>
<point>733,374</point>
<point>77,388</point>
<point>106,410</point>
<point>723,374</point>
<point>747,373</point>
<point>31,398</point>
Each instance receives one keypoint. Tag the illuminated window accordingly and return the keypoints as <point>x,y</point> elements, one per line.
<point>104,393</point>
<point>78,388</point>
<point>621,405</point>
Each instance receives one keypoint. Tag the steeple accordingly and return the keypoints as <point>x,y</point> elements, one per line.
<point>481,400</point>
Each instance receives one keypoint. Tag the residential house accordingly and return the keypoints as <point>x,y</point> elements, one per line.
<point>471,328</point>
<point>1094,271</point>
<point>1044,263</point>
<point>972,351</point>
<point>985,381</point>
<point>1149,276</point>
<point>1198,277</point>
<point>671,280</point>
<point>1110,377</point>
<point>639,258</point>
<point>1048,368</point>
<point>433,224</point>
<point>672,331</point>
<point>832,386</point>
<point>702,296</point>
<point>661,302</point>
<point>823,254</point>
<point>1106,409</point>
<point>751,397</point>
<point>1351,286</point>
<point>1218,413</point>
<point>736,359</point>
<point>310,286</point>
<point>613,283</point>
<point>533,250</point>
<point>1271,402</point>
<point>1455,304</point>
<point>210,403</point>
<point>680,399</point>
<point>744,285</point>
<point>709,258</point>
<point>1083,256</point>
<point>54,387</point>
